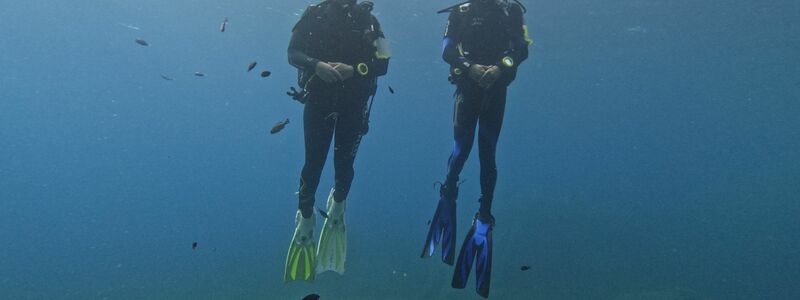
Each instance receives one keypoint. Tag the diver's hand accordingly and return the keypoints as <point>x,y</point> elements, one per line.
<point>346,70</point>
<point>490,77</point>
<point>327,73</point>
<point>476,72</point>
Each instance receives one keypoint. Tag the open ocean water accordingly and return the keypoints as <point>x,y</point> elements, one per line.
<point>651,150</point>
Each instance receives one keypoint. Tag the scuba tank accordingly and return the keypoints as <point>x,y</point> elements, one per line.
<point>504,3</point>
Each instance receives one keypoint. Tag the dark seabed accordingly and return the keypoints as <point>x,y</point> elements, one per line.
<point>650,151</point>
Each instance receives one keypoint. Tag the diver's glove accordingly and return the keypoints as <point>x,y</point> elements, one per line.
<point>327,73</point>
<point>476,72</point>
<point>490,77</point>
<point>345,70</point>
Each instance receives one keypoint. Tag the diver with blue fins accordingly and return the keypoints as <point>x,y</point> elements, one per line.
<point>484,43</point>
<point>339,50</point>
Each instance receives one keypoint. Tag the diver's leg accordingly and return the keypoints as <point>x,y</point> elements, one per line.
<point>318,132</point>
<point>491,121</point>
<point>349,125</point>
<point>443,224</point>
<point>465,118</point>
<point>332,250</point>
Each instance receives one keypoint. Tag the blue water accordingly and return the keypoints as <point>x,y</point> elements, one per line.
<point>650,151</point>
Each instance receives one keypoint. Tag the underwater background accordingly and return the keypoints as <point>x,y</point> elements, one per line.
<point>649,151</point>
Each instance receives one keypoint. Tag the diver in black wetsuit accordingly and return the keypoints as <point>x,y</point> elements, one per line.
<point>485,42</point>
<point>339,49</point>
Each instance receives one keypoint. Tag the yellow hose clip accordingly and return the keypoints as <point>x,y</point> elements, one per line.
<point>362,69</point>
<point>508,61</point>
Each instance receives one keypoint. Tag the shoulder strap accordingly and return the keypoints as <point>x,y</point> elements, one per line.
<point>311,12</point>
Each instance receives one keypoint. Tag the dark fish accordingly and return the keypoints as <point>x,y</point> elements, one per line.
<point>251,66</point>
<point>194,246</point>
<point>266,74</point>
<point>322,213</point>
<point>311,297</point>
<point>142,42</point>
<point>525,268</point>
<point>391,90</point>
<point>223,25</point>
<point>279,126</point>
<point>199,74</point>
<point>429,222</point>
<point>167,78</point>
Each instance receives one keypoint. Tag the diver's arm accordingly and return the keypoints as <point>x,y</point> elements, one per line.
<point>452,55</point>
<point>518,46</point>
<point>297,57</point>
<point>452,37</point>
<point>299,41</point>
<point>378,65</point>
<point>517,52</point>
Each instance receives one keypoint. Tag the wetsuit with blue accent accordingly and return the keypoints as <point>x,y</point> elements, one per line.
<point>331,32</point>
<point>484,33</point>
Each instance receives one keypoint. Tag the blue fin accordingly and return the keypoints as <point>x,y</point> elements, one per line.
<point>477,247</point>
<point>442,230</point>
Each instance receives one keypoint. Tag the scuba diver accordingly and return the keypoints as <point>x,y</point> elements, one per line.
<point>339,50</point>
<point>484,43</point>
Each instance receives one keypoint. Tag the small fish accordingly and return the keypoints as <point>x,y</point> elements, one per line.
<point>251,66</point>
<point>638,29</point>
<point>391,90</point>
<point>223,25</point>
<point>167,78</point>
<point>266,74</point>
<point>322,213</point>
<point>429,222</point>
<point>199,74</point>
<point>279,126</point>
<point>525,268</point>
<point>142,42</point>
<point>129,26</point>
<point>194,246</point>
<point>311,297</point>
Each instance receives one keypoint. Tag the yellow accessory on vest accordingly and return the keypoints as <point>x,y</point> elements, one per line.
<point>508,61</point>
<point>362,69</point>
<point>526,35</point>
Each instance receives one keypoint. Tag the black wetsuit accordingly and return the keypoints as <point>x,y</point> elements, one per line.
<point>486,34</point>
<point>328,32</point>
